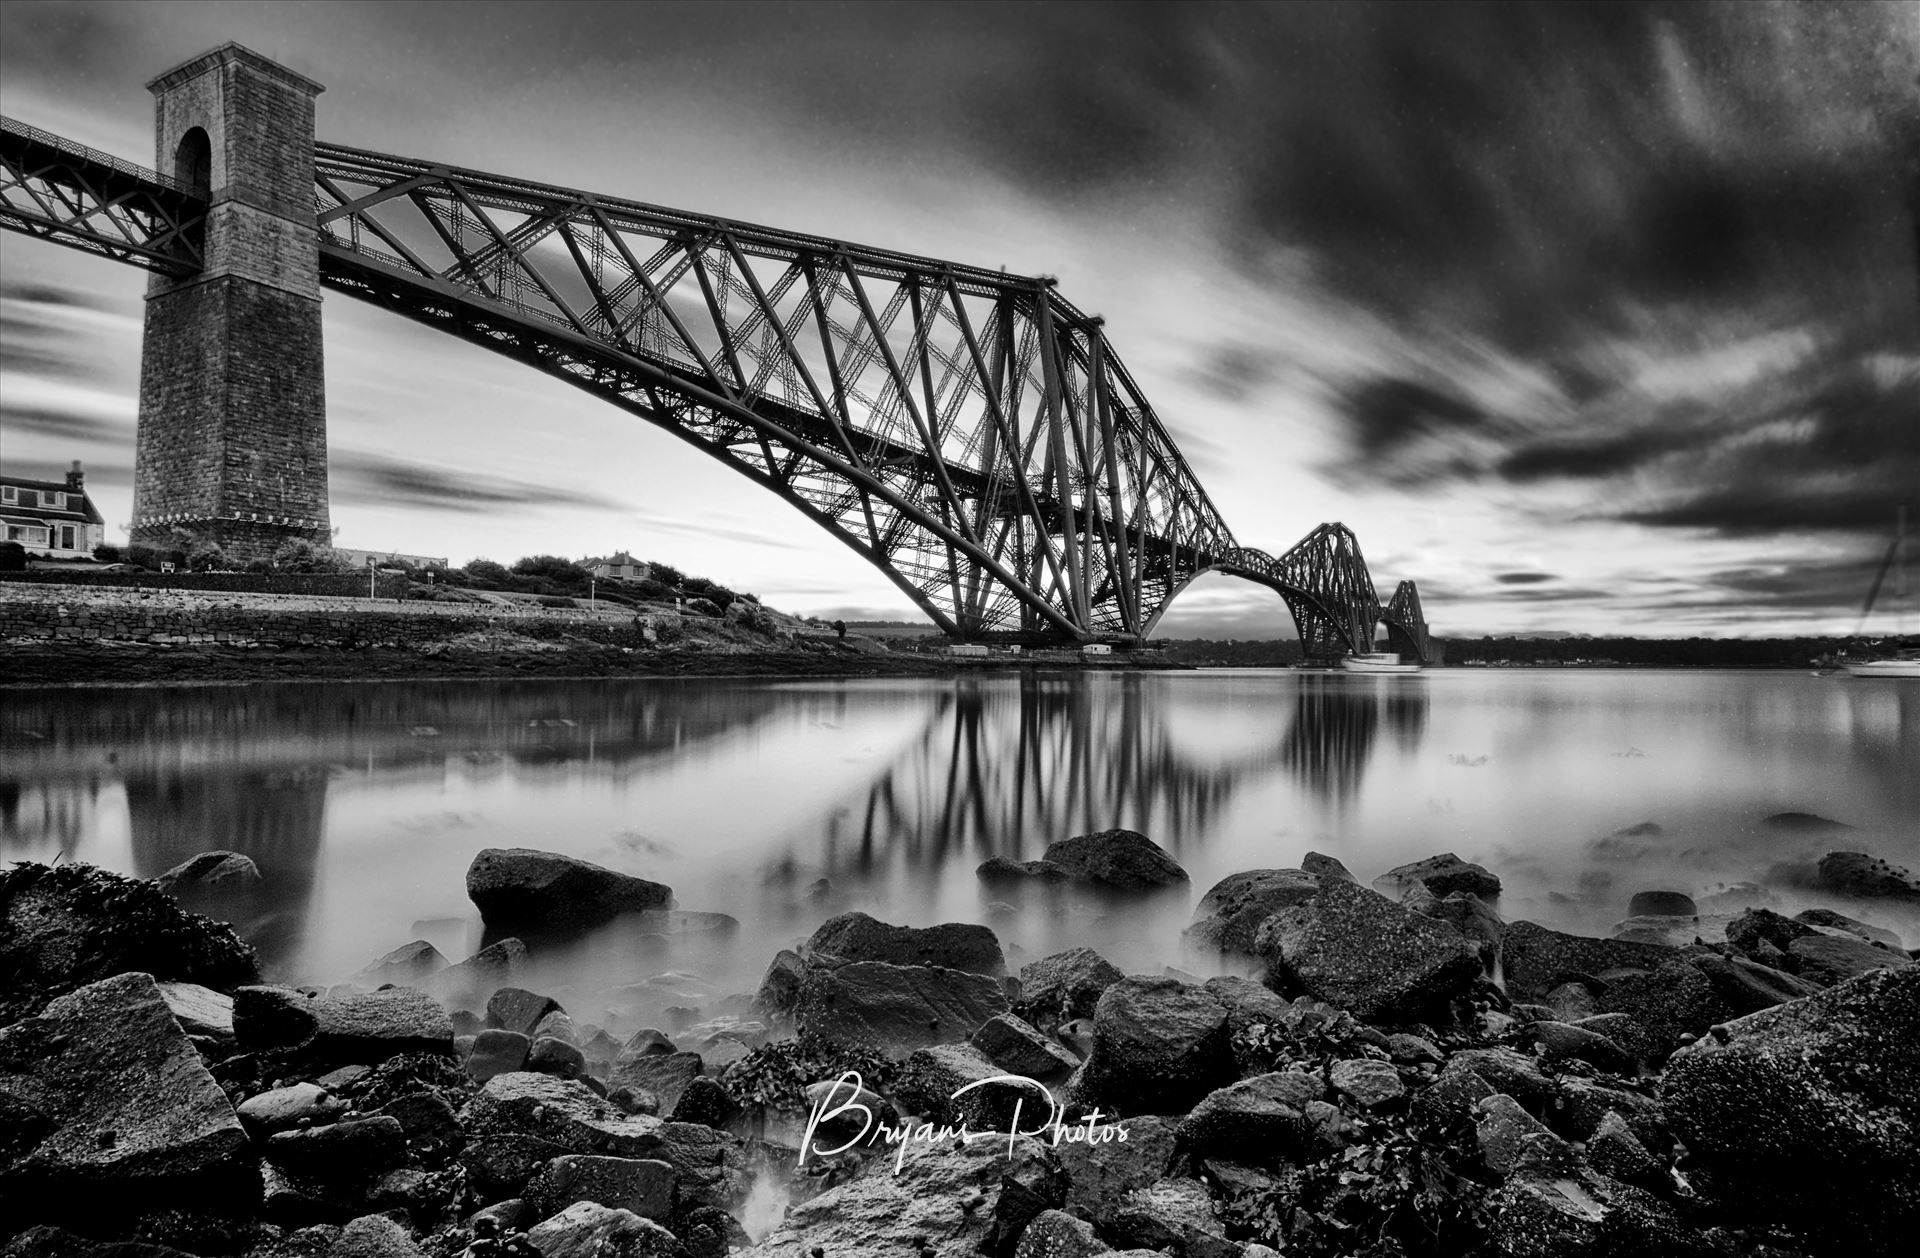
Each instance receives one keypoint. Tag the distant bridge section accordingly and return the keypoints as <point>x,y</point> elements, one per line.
<point>970,432</point>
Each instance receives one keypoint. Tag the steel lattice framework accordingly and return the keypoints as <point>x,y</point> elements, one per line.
<point>970,432</point>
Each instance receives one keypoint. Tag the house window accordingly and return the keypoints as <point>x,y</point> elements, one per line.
<point>53,498</point>
<point>66,537</point>
<point>9,494</point>
<point>26,535</point>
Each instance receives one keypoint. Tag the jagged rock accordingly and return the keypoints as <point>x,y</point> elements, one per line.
<point>283,1109</point>
<point>499,1167</point>
<point>354,1149</point>
<point>527,893</point>
<point>199,1010</point>
<point>1583,1104</point>
<point>1358,950</point>
<point>210,876</point>
<point>1560,1041</point>
<point>1324,867</point>
<point>557,1026</point>
<point>1472,917</point>
<point>1064,986</point>
<point>1451,1098</point>
<point>1866,877</point>
<point>63,927</point>
<point>1748,930</point>
<point>1168,1215</point>
<point>1413,1049</point>
<point>1057,1234</point>
<point>1662,904</point>
<point>1673,1001</point>
<point>1513,1141</point>
<point>561,1112</point>
<point>497,1053</point>
<point>1672,932</point>
<point>1003,871</point>
<point>366,1028</point>
<point>517,1009</point>
<point>374,1236</point>
<point>1515,1074</point>
<point>1032,1184</point>
<point>588,1229</point>
<point>1807,1111</point>
<point>950,945</point>
<point>641,1185</point>
<point>405,966</point>
<point>1747,986</point>
<point>1101,1172</point>
<point>1158,1046</point>
<point>1441,875</point>
<point>551,1056</point>
<point>1231,911</point>
<point>949,1084</point>
<point>1617,1153</point>
<point>1117,860</point>
<point>1826,959</point>
<point>705,1101</point>
<point>429,1122</point>
<point>1535,959</point>
<point>1802,822</point>
<point>665,1075</point>
<point>848,1111</point>
<point>103,1098</point>
<point>780,990</point>
<point>895,1008</point>
<point>885,1211</point>
<point>1586,1216</point>
<point>1017,1047</point>
<point>1852,925</point>
<point>1265,1117</point>
<point>1369,1081</point>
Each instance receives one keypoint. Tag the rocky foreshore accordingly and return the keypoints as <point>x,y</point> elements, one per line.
<point>1384,1070</point>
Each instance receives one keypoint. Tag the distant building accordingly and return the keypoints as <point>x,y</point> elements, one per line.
<point>386,558</point>
<point>52,518</point>
<point>621,567</point>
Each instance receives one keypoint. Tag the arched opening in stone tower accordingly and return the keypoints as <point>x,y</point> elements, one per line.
<point>193,159</point>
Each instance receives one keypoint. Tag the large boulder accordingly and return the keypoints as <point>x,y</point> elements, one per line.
<point>1231,911</point>
<point>1159,1046</point>
<point>921,1193</point>
<point>1747,986</point>
<point>408,964</point>
<point>211,879</point>
<point>1440,876</point>
<point>588,1229</point>
<point>1017,1047</point>
<point>1101,1172</point>
<point>544,895</point>
<point>1829,959</point>
<point>1117,860</point>
<point>1866,877</point>
<point>1360,951</point>
<point>1064,986</point>
<point>1673,1001</point>
<point>366,1028</point>
<point>953,945</point>
<point>895,1008</point>
<point>1260,1119</point>
<point>1852,925</point>
<point>65,926</point>
<point>104,1100</point>
<point>1807,1113</point>
<point>467,984</point>
<point>1535,959</point>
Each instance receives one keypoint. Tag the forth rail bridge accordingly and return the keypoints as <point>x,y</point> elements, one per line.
<point>969,432</point>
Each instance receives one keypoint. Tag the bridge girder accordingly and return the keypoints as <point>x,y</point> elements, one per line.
<point>969,432</point>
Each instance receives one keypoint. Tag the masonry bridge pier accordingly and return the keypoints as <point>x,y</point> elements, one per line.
<point>971,433</point>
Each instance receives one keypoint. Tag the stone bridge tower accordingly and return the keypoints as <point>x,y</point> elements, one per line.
<point>232,439</point>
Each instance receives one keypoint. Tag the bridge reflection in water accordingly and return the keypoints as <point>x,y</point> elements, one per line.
<point>979,767</point>
<point>1001,770</point>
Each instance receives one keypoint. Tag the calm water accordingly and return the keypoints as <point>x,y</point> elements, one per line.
<point>363,803</point>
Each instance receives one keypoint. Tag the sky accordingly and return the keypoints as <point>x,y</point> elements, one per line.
<point>1593,318</point>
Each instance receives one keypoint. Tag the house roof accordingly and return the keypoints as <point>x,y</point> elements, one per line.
<point>86,513</point>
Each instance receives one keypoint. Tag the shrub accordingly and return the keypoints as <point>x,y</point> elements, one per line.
<point>702,607</point>
<point>667,575</point>
<point>488,573</point>
<point>259,566</point>
<point>13,557</point>
<point>206,557</point>
<point>552,568</point>
<point>297,554</point>
<point>556,600</point>
<point>106,553</point>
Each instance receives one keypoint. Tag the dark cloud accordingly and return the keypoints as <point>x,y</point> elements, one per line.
<point>1390,413</point>
<point>65,424</point>
<point>50,295</point>
<point>1523,578</point>
<point>363,478</point>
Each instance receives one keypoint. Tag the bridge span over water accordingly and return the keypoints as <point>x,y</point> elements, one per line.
<point>971,433</point>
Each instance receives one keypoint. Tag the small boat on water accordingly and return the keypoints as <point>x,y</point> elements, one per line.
<point>1377,662</point>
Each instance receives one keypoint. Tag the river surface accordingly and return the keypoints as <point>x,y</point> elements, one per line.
<point>782,803</point>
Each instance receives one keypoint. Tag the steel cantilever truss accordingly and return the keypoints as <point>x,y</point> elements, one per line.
<point>58,190</point>
<point>970,432</point>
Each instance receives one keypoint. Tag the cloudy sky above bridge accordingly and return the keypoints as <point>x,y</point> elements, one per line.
<point>1601,318</point>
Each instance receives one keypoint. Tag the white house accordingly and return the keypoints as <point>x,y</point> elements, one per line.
<point>621,567</point>
<point>52,518</point>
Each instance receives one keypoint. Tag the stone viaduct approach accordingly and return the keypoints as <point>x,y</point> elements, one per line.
<point>969,432</point>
